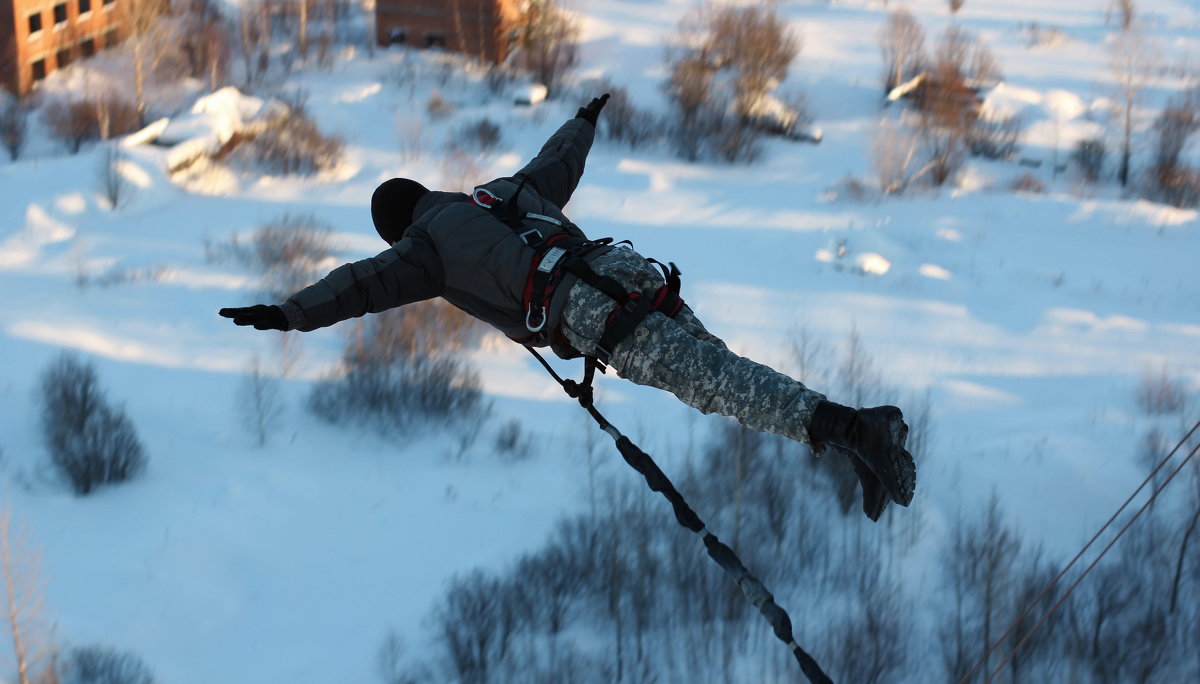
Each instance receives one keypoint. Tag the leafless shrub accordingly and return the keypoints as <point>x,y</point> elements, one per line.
<point>113,184</point>
<point>902,42</point>
<point>289,252</point>
<point>726,117</point>
<point>1159,394</point>
<point>73,122</point>
<point>546,41</point>
<point>103,665</point>
<point>476,625</point>
<point>956,5</point>
<point>511,441</point>
<point>1175,181</point>
<point>14,125</point>
<point>400,395</point>
<point>398,373</point>
<point>1029,184</point>
<point>948,113</point>
<point>969,56</point>
<point>690,88</point>
<point>483,135</point>
<point>292,143</point>
<point>996,138</point>
<point>755,44</point>
<point>1089,156</point>
<point>624,122</point>
<point>258,403</point>
<point>91,442</point>
<point>437,107</point>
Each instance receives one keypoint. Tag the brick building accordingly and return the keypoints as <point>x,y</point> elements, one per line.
<point>39,36</point>
<point>475,27</point>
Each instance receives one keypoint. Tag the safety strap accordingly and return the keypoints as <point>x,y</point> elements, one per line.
<point>753,589</point>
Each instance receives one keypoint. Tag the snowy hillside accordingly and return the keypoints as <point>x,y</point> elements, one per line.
<point>1025,322</point>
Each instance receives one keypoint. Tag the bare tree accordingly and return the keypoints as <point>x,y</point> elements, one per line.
<point>113,183</point>
<point>1133,64</point>
<point>20,572</point>
<point>205,42</point>
<point>142,18</point>
<point>547,41</point>
<point>902,42</point>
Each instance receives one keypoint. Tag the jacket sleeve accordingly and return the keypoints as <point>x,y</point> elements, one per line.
<point>556,170</point>
<point>410,271</point>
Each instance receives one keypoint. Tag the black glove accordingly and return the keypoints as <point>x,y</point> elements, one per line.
<point>261,316</point>
<point>592,110</point>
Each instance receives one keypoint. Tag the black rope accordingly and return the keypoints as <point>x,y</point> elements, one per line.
<point>751,587</point>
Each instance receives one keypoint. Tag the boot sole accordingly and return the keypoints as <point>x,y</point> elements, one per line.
<point>897,472</point>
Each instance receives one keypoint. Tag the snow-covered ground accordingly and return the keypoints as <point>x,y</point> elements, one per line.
<point>1029,319</point>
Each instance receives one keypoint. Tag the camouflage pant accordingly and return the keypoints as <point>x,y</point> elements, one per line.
<point>679,355</point>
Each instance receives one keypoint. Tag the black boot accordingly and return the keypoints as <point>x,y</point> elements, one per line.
<point>875,439</point>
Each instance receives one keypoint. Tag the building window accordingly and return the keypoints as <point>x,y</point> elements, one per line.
<point>397,37</point>
<point>85,6</point>
<point>35,23</point>
<point>108,4</point>
<point>60,14</point>
<point>111,38</point>
<point>87,47</point>
<point>435,40</point>
<point>39,70</point>
<point>62,58</point>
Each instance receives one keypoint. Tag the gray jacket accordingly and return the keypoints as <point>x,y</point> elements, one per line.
<point>463,252</point>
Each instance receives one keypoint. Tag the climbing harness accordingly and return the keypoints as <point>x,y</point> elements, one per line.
<point>562,252</point>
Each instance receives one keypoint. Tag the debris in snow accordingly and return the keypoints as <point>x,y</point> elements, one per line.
<point>531,94</point>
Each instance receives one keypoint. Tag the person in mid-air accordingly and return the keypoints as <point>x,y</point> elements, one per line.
<point>507,255</point>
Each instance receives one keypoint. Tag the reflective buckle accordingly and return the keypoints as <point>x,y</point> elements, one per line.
<point>541,319</point>
<point>551,259</point>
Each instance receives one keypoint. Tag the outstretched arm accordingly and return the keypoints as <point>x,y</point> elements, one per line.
<point>557,168</point>
<point>408,272</point>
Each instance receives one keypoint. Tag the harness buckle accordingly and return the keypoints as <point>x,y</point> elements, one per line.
<point>524,236</point>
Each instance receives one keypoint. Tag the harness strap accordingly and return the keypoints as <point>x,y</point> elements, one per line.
<point>632,307</point>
